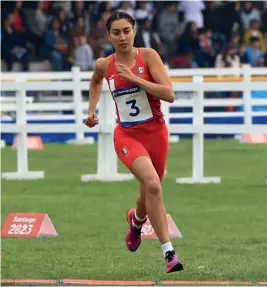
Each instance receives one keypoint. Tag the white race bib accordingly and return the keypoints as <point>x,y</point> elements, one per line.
<point>133,105</point>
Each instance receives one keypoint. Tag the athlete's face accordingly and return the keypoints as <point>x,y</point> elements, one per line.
<point>122,35</point>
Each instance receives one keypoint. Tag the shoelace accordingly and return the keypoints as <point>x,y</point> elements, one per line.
<point>169,255</point>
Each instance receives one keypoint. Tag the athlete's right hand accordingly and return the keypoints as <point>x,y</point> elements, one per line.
<point>91,120</point>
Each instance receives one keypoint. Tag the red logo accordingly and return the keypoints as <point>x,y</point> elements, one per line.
<point>149,233</point>
<point>28,225</point>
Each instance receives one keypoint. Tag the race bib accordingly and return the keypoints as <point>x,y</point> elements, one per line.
<point>133,105</point>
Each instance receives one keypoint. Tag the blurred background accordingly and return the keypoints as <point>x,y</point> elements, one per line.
<point>57,35</point>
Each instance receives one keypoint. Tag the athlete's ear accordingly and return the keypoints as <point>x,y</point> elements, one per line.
<point>134,32</point>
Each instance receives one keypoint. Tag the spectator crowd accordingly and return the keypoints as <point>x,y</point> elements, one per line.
<point>187,34</point>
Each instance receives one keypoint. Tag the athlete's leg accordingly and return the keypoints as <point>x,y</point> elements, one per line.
<point>158,157</point>
<point>127,150</point>
<point>144,170</point>
<point>141,203</point>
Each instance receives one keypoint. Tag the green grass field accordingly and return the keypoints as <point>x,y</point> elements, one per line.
<point>224,226</point>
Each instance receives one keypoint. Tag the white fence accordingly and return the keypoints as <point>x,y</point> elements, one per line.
<point>77,81</point>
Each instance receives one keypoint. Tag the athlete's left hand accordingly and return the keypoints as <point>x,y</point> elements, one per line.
<point>126,73</point>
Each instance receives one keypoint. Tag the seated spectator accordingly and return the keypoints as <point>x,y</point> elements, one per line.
<point>82,54</point>
<point>254,31</point>
<point>228,59</point>
<point>56,46</point>
<point>13,45</point>
<point>254,54</point>
<point>234,41</point>
<point>183,62</point>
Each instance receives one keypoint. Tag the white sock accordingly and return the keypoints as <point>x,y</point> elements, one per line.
<point>166,247</point>
<point>138,219</point>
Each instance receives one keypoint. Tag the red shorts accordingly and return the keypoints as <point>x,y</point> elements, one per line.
<point>150,140</point>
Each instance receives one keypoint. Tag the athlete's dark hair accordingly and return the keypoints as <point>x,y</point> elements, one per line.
<point>117,15</point>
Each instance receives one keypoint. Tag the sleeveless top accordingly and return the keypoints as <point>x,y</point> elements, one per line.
<point>134,106</point>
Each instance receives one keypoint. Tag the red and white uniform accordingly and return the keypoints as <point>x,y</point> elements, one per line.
<point>141,129</point>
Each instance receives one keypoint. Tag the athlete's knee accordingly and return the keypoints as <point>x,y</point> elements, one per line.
<point>153,186</point>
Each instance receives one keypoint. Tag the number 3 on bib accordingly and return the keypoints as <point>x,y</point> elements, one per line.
<point>134,107</point>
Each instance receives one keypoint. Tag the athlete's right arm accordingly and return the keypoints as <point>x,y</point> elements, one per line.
<point>95,90</point>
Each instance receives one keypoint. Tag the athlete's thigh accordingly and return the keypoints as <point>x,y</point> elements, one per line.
<point>128,149</point>
<point>158,149</point>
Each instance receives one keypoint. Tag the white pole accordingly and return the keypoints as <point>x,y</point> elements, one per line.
<point>22,152</point>
<point>198,138</point>
<point>77,97</point>
<point>107,158</point>
<point>106,155</point>
<point>247,95</point>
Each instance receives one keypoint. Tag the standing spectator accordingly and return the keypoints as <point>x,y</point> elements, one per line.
<point>83,10</point>
<point>65,5</point>
<point>98,38</point>
<point>206,54</point>
<point>20,22</point>
<point>230,20</point>
<point>65,25</point>
<point>193,11</point>
<point>142,12</point>
<point>249,13</point>
<point>38,23</point>
<point>169,27</point>
<point>189,40</point>
<point>145,37</point>
<point>127,7</point>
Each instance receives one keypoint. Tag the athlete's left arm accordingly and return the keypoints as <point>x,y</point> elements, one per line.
<point>162,88</point>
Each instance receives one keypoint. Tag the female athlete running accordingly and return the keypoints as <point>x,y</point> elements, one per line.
<point>138,81</point>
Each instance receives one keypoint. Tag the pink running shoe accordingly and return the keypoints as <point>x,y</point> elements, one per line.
<point>172,262</point>
<point>133,236</point>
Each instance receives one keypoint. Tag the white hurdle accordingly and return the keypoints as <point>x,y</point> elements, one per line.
<point>106,155</point>
<point>107,169</point>
<point>22,152</point>
<point>198,128</point>
<point>198,141</point>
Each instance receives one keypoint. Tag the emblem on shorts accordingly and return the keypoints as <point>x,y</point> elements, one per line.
<point>124,151</point>
<point>139,70</point>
